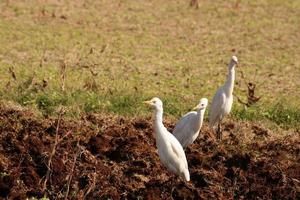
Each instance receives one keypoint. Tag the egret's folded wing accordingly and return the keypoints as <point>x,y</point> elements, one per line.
<point>178,151</point>
<point>183,127</point>
<point>217,104</point>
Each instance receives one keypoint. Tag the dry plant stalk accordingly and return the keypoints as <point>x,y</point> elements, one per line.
<point>12,73</point>
<point>45,83</point>
<point>91,84</point>
<point>91,186</point>
<point>194,3</point>
<point>56,142</point>
<point>63,67</point>
<point>237,4</point>
<point>42,60</point>
<point>7,85</point>
<point>251,98</point>
<point>72,170</point>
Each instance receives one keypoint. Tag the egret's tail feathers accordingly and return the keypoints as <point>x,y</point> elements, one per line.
<point>186,175</point>
<point>212,121</point>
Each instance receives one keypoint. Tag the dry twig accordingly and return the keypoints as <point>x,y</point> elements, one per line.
<point>91,186</point>
<point>56,142</point>
<point>251,98</point>
<point>72,170</point>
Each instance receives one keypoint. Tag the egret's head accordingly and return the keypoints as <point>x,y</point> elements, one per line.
<point>155,103</point>
<point>202,104</point>
<point>233,61</point>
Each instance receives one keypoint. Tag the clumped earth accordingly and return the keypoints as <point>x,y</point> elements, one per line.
<point>112,157</point>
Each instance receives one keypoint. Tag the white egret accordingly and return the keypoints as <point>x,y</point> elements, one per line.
<point>222,101</point>
<point>187,129</point>
<point>170,151</point>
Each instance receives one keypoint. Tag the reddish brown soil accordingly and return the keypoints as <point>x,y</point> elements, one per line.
<point>115,158</point>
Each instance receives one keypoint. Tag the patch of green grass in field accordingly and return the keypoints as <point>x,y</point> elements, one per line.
<point>279,113</point>
<point>283,115</point>
<point>119,53</point>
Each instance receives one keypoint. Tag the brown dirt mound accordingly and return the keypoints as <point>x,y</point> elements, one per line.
<point>115,158</point>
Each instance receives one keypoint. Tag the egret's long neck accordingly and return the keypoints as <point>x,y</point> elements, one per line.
<point>230,81</point>
<point>200,116</point>
<point>158,125</point>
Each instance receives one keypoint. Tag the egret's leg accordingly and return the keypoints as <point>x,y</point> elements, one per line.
<point>189,185</point>
<point>172,186</point>
<point>219,133</point>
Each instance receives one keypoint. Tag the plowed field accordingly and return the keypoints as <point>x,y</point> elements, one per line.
<point>112,157</point>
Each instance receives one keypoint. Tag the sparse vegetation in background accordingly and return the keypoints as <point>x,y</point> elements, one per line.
<point>284,116</point>
<point>106,56</point>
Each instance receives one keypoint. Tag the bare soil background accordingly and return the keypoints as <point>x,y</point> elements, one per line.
<point>112,157</point>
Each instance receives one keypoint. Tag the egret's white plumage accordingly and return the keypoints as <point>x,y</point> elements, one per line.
<point>222,101</point>
<point>187,129</point>
<point>170,151</point>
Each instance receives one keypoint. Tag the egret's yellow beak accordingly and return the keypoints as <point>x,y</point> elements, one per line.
<point>196,107</point>
<point>148,102</point>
